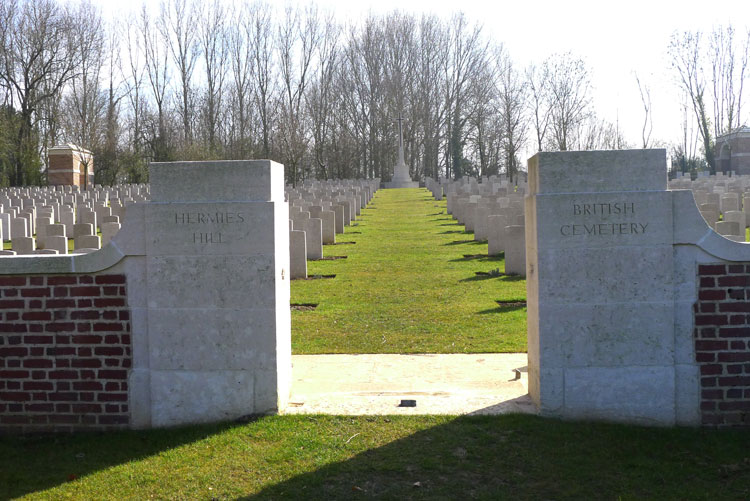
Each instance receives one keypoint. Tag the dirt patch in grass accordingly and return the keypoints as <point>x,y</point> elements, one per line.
<point>303,306</point>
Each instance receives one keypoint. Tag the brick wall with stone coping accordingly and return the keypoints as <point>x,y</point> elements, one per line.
<point>65,352</point>
<point>722,343</point>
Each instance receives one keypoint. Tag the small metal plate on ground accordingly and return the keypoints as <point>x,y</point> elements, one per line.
<point>408,403</point>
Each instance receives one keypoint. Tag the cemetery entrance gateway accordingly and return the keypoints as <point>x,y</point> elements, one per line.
<point>637,311</point>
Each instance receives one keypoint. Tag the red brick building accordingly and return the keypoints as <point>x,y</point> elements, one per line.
<point>70,165</point>
<point>733,151</point>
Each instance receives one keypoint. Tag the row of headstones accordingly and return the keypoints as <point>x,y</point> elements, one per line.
<point>320,210</point>
<point>41,220</point>
<point>723,201</point>
<point>493,211</point>
<point>485,185</point>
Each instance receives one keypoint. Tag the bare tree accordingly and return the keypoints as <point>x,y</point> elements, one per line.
<point>684,153</point>
<point>686,61</point>
<point>356,98</point>
<point>157,69</point>
<point>49,118</point>
<point>213,36</point>
<point>538,79</point>
<point>367,66</point>
<point>298,39</point>
<point>512,96</point>
<point>727,78</point>
<point>432,54</point>
<point>133,72</point>
<point>178,24</point>
<point>743,63</point>
<point>263,47</point>
<point>468,57</point>
<point>299,88</point>
<point>399,75</point>
<point>595,133</point>
<point>109,166</point>
<point>648,124</point>
<point>320,99</point>
<point>570,98</point>
<point>86,103</point>
<point>38,57</point>
<point>482,133</point>
<point>241,65</point>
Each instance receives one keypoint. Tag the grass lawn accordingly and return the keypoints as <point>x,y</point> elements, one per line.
<point>397,457</point>
<point>409,285</point>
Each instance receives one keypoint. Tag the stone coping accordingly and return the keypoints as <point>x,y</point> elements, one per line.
<point>107,256</point>
<point>691,229</point>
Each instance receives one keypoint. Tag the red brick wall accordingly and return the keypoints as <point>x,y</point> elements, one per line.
<point>58,165</point>
<point>722,343</point>
<point>65,352</point>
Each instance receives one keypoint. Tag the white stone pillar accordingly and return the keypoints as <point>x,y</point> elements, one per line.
<point>600,286</point>
<point>217,281</point>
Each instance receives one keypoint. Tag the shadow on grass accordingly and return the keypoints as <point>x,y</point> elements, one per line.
<point>478,278</point>
<point>459,242</point>
<point>483,276</point>
<point>502,309</point>
<point>455,223</point>
<point>528,457</point>
<point>488,457</point>
<point>32,463</point>
<point>482,258</point>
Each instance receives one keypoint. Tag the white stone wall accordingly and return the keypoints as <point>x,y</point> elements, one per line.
<point>207,266</point>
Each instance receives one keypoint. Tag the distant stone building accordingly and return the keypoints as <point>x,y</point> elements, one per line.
<point>70,165</point>
<point>733,151</point>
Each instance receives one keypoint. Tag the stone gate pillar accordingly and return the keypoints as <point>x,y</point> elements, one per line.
<point>600,282</point>
<point>217,285</point>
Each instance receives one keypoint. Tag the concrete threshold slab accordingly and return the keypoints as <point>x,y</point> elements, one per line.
<point>482,383</point>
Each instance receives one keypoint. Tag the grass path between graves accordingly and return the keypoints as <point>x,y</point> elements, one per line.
<point>409,284</point>
<point>396,457</point>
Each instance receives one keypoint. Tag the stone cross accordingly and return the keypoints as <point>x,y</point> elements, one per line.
<point>400,121</point>
<point>401,178</point>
